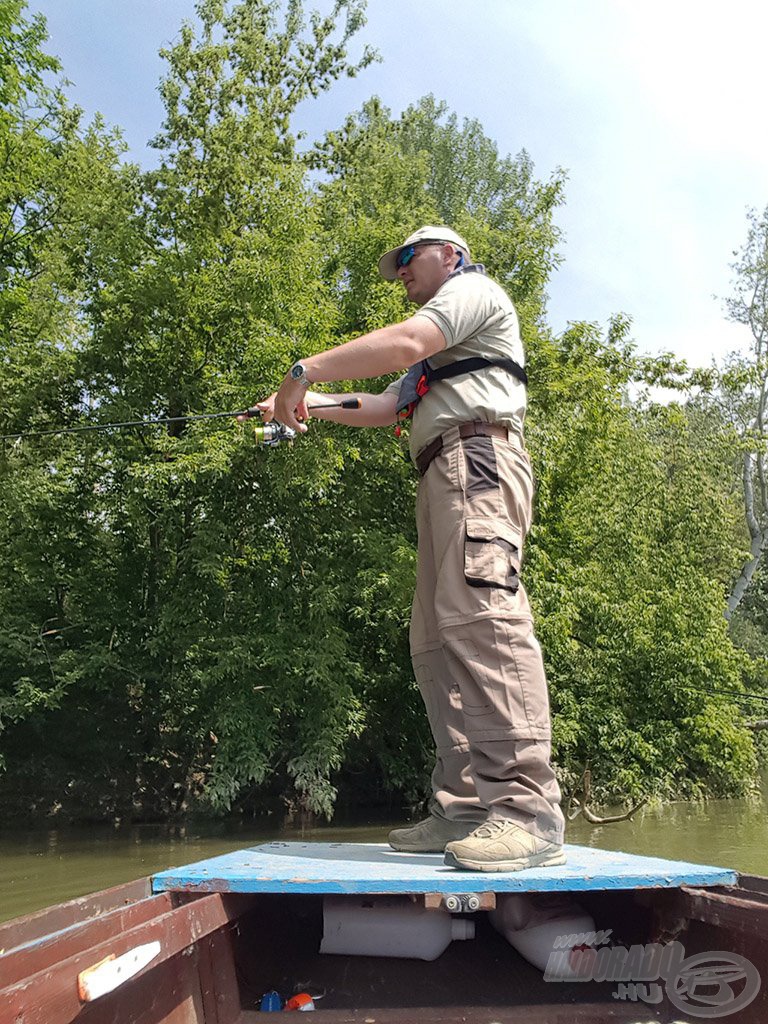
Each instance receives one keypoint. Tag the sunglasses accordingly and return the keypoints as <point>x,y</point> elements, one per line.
<point>405,255</point>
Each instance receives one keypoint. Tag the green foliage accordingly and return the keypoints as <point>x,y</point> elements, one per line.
<point>628,568</point>
<point>188,620</point>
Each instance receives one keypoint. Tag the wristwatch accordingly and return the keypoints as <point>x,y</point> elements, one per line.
<point>298,372</point>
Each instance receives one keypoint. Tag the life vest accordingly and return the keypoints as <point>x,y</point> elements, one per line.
<point>420,378</point>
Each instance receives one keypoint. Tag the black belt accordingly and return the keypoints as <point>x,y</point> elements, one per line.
<point>477,428</point>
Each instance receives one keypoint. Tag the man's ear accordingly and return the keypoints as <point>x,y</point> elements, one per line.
<point>452,257</point>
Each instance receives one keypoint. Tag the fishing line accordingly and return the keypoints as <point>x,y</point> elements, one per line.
<point>737,694</point>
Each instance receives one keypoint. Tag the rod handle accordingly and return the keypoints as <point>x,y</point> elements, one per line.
<point>348,403</point>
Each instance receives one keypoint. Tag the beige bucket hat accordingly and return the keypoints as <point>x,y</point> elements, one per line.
<point>430,233</point>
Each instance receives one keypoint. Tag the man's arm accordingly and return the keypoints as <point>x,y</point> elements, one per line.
<point>383,351</point>
<point>374,411</point>
<point>386,350</point>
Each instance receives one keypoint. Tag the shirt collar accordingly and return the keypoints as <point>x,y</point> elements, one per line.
<point>470,268</point>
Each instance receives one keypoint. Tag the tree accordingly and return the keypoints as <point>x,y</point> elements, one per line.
<point>627,570</point>
<point>194,286</point>
<point>52,175</point>
<point>744,390</point>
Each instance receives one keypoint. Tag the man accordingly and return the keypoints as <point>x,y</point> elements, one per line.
<point>495,804</point>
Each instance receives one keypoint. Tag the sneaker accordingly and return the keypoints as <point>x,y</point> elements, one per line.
<point>502,845</point>
<point>430,835</point>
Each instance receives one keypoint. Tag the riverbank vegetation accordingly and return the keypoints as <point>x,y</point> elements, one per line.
<point>190,622</point>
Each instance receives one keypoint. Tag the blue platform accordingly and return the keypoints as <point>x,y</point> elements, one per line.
<point>376,868</point>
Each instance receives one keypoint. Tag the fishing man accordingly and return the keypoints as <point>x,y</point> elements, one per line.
<point>495,799</point>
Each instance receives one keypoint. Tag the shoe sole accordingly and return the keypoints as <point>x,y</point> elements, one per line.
<point>419,849</point>
<point>536,860</point>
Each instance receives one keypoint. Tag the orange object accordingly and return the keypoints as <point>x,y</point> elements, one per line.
<point>301,1001</point>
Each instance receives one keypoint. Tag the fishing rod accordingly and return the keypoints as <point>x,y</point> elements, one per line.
<point>269,434</point>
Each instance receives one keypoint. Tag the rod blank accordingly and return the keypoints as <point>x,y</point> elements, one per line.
<point>347,403</point>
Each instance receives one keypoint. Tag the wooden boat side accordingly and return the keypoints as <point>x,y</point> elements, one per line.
<point>63,915</point>
<point>49,995</point>
<point>727,907</point>
<point>34,956</point>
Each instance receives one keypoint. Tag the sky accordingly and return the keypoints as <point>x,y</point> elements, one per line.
<point>655,110</point>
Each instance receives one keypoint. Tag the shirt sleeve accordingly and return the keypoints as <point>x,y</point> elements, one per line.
<point>394,387</point>
<point>461,308</point>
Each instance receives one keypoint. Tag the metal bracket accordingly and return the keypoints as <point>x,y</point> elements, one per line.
<point>460,903</point>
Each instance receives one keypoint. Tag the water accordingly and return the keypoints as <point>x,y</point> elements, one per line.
<point>38,869</point>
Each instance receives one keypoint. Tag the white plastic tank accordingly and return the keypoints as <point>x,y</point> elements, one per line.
<point>542,925</point>
<point>389,926</point>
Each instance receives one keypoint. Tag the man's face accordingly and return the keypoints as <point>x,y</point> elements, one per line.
<point>426,270</point>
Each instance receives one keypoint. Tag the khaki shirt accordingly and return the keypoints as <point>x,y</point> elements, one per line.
<point>477,318</point>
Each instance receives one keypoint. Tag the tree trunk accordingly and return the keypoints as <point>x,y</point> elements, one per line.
<point>757,539</point>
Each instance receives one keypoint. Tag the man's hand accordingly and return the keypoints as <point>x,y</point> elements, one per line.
<point>289,406</point>
<point>266,407</point>
<point>268,410</point>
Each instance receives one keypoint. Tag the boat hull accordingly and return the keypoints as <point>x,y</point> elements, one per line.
<point>213,954</point>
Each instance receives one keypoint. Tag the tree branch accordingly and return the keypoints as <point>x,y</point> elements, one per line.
<point>580,797</point>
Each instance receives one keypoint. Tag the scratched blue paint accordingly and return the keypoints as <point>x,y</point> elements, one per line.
<point>375,868</point>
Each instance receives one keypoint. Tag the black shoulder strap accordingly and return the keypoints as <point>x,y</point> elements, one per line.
<point>477,363</point>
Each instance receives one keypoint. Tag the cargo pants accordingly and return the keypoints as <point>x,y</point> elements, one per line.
<point>475,657</point>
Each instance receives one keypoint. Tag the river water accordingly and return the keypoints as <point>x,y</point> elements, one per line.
<point>41,868</point>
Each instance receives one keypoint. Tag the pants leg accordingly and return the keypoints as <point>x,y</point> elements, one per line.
<point>506,722</point>
<point>454,794</point>
<point>475,655</point>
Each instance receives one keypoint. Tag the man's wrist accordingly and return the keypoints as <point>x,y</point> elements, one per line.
<point>298,373</point>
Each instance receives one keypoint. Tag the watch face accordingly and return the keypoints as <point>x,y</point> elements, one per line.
<point>297,371</point>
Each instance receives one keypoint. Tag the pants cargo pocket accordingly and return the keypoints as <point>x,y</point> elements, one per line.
<point>492,554</point>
